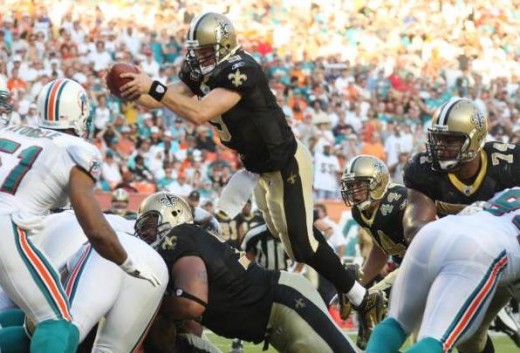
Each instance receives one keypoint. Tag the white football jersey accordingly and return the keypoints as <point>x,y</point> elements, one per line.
<point>35,166</point>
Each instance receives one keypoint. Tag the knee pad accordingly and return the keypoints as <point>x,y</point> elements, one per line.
<point>426,345</point>
<point>55,336</point>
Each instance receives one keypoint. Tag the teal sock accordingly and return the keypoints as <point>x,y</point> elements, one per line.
<point>426,345</point>
<point>55,336</point>
<point>14,340</point>
<point>12,317</point>
<point>387,337</point>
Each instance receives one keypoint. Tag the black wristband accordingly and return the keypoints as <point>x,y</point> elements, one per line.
<point>157,91</point>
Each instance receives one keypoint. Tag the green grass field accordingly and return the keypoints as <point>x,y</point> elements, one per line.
<point>502,344</point>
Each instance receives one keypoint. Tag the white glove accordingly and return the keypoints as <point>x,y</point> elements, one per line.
<point>130,267</point>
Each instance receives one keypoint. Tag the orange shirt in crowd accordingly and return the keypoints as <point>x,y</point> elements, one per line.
<point>374,149</point>
<point>297,100</point>
<point>15,84</point>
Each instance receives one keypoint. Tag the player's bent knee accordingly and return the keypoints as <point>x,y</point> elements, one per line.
<point>55,336</point>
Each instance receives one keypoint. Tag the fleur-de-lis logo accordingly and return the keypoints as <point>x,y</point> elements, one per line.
<point>237,78</point>
<point>169,242</point>
<point>292,178</point>
<point>477,119</point>
<point>299,303</point>
<point>222,30</point>
<point>168,200</point>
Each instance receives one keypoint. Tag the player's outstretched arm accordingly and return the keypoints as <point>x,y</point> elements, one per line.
<point>90,217</point>
<point>190,297</point>
<point>214,104</point>
<point>148,102</point>
<point>375,262</point>
<point>96,228</point>
<point>420,211</point>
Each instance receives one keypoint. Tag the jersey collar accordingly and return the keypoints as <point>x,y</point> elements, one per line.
<point>469,190</point>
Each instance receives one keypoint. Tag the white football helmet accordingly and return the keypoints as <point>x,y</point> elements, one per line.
<point>63,104</point>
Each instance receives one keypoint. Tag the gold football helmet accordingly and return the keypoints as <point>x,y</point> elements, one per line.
<point>364,180</point>
<point>120,202</point>
<point>457,135</point>
<point>211,39</point>
<point>158,214</point>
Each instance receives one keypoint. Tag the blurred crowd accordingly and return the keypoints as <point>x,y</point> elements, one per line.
<point>352,77</point>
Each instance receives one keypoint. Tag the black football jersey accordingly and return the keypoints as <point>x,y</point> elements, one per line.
<point>239,291</point>
<point>256,126</point>
<point>255,219</point>
<point>385,224</point>
<point>500,169</point>
<point>228,228</point>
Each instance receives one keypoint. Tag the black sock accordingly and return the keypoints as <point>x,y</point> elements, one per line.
<point>327,263</point>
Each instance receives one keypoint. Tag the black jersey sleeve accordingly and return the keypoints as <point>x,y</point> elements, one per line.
<point>238,76</point>
<point>505,162</point>
<point>417,173</point>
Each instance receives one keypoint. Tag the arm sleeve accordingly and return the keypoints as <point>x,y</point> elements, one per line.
<point>87,157</point>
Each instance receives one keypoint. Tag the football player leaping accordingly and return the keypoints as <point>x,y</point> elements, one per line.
<point>236,99</point>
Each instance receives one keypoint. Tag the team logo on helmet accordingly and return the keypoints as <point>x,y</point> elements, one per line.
<point>478,120</point>
<point>168,200</point>
<point>222,31</point>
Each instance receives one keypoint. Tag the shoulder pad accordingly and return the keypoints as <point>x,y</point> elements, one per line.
<point>417,170</point>
<point>87,157</point>
<point>397,194</point>
<point>237,76</point>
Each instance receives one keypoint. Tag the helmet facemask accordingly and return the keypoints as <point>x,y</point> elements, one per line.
<point>202,60</point>
<point>448,149</point>
<point>151,228</point>
<point>356,192</point>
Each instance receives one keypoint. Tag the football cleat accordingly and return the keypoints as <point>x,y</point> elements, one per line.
<point>370,312</point>
<point>340,300</point>
<point>237,346</point>
<point>506,323</point>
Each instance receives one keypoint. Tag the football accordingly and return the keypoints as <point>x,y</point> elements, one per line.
<point>113,79</point>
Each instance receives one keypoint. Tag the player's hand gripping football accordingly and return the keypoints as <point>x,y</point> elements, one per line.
<point>139,271</point>
<point>140,84</point>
